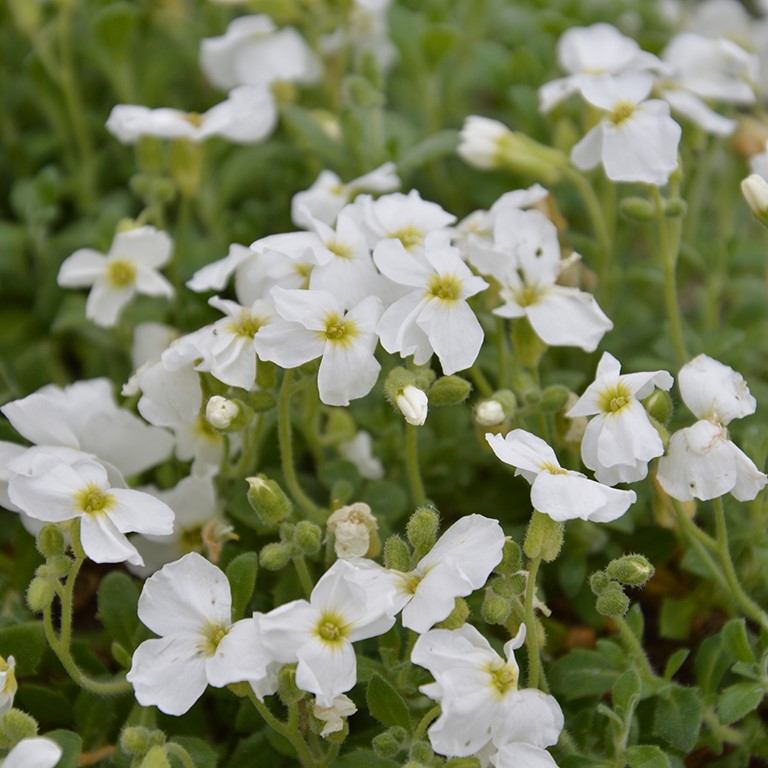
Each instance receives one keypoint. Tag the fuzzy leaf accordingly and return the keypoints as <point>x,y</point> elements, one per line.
<point>739,700</point>
<point>26,643</point>
<point>678,717</point>
<point>241,574</point>
<point>646,756</point>
<point>736,641</point>
<point>117,603</point>
<point>386,704</point>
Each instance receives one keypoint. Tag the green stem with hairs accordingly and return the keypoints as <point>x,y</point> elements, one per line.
<point>304,577</point>
<point>531,623</point>
<point>412,465</point>
<point>176,750</point>
<point>290,734</point>
<point>635,648</point>
<point>425,722</point>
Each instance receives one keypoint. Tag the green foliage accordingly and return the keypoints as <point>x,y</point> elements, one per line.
<point>386,704</point>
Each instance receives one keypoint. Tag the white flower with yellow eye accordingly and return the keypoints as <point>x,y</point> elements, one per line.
<point>130,267</point>
<point>315,325</point>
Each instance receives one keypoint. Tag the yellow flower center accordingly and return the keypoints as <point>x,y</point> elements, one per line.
<point>121,273</point>
<point>553,469</point>
<point>342,250</point>
<point>410,236</point>
<point>331,628</point>
<point>504,679</point>
<point>614,398</point>
<point>339,330</point>
<point>194,118</point>
<point>621,112</point>
<point>445,287</point>
<point>91,500</point>
<point>529,295</point>
<point>248,325</point>
<point>213,634</point>
<point>203,428</point>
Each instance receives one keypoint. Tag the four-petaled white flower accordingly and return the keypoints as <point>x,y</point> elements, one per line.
<point>130,267</point>
<point>189,604</point>
<point>620,441</point>
<point>479,697</point>
<point>318,633</point>
<point>701,461</point>
<point>560,493</point>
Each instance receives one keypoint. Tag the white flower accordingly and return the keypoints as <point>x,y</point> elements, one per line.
<point>248,115</point>
<point>519,754</point>
<point>253,52</point>
<point>701,461</point>
<point>318,634</point>
<point>489,413</point>
<point>33,753</point>
<point>220,412</point>
<point>358,450</point>
<point>525,259</point>
<point>479,697</point>
<point>636,141</point>
<point>589,52</point>
<point>316,326</point>
<point>413,404</point>
<point>480,142</point>
<point>334,716</point>
<point>8,684</point>
<point>188,603</point>
<point>755,191</point>
<point>562,494</point>
<point>434,315</point>
<point>620,441</point>
<point>57,491</point>
<point>352,527</point>
<point>129,268</point>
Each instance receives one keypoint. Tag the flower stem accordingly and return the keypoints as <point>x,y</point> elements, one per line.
<point>286,449</point>
<point>412,464</point>
<point>425,721</point>
<point>635,648</point>
<point>178,751</point>
<point>292,735</point>
<point>303,572</point>
<point>531,623</point>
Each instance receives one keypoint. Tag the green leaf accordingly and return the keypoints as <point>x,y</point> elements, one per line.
<point>241,574</point>
<point>678,717</point>
<point>626,692</point>
<point>676,618</point>
<point>117,604</point>
<point>254,751</point>
<point>26,643</point>
<point>71,745</point>
<point>711,663</point>
<point>432,148</point>
<point>586,673</point>
<point>386,704</point>
<point>202,754</point>
<point>338,470</point>
<point>48,707</point>
<point>364,758</point>
<point>739,700</point>
<point>736,641</point>
<point>94,716</point>
<point>387,500</point>
<point>646,756</point>
<point>113,26</point>
<point>675,661</point>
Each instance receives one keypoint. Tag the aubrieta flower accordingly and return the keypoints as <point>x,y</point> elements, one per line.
<point>636,141</point>
<point>479,697</point>
<point>318,633</point>
<point>57,491</point>
<point>701,461</point>
<point>560,493</point>
<point>620,441</point>
<point>130,267</point>
<point>189,605</point>
<point>38,752</point>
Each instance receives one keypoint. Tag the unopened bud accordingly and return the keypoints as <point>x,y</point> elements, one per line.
<point>496,609</point>
<point>632,570</point>
<point>287,690</point>
<point>599,581</point>
<point>413,404</point>
<point>489,413</point>
<point>637,208</point>
<point>397,380</point>
<point>40,594</point>
<point>517,583</point>
<point>755,191</point>
<point>275,556</point>
<point>396,554</point>
<point>449,390</point>
<point>59,566</point>
<point>50,541</point>
<point>16,725</point>
<point>457,617</point>
<point>221,412</point>
<point>554,398</point>
<point>675,208</point>
<point>511,558</point>
<point>307,537</point>
<point>385,745</point>
<point>422,752</point>
<point>422,528</point>
<point>612,602</point>
<point>268,500</point>
<point>260,401</point>
<point>135,740</point>
<point>544,538</point>
<point>659,406</point>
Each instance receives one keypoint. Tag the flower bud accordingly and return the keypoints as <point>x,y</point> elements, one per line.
<point>422,752</point>
<point>259,401</point>
<point>185,164</point>
<point>397,380</point>
<point>511,558</point>
<point>354,530</point>
<point>599,582</point>
<point>449,390</point>
<point>517,583</point>
<point>489,413</point>
<point>675,208</point>
<point>221,412</point>
<point>755,191</point>
<point>155,758</point>
<point>422,528</point>
<point>632,570</point>
<point>544,538</point>
<point>150,156</point>
<point>396,554</point>
<point>659,406</point>
<point>59,566</point>
<point>637,208</point>
<point>135,740</point>
<point>275,556</point>
<point>413,404</point>
<point>287,689</point>
<point>554,398</point>
<point>612,601</point>
<point>307,537</point>
<point>268,500</point>
<point>50,541</point>
<point>40,594</point>
<point>496,609</point>
<point>457,617</point>
<point>385,745</point>
<point>16,725</point>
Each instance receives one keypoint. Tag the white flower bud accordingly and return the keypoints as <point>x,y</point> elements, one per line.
<point>755,191</point>
<point>480,139</point>
<point>413,404</point>
<point>221,412</point>
<point>489,413</point>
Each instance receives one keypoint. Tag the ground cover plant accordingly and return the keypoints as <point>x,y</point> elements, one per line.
<point>383,383</point>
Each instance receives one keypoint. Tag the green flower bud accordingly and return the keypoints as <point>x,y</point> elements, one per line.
<point>517,584</point>
<point>15,726</point>
<point>511,559</point>
<point>185,164</point>
<point>135,740</point>
<point>287,689</point>
<point>40,594</point>
<point>675,208</point>
<point>59,566</point>
<point>637,208</point>
<point>599,582</point>
<point>501,586</point>
<point>662,430</point>
<point>495,608</point>
<point>261,400</point>
<point>397,380</point>
<point>307,537</point>
<point>422,528</point>
<point>554,398</point>
<point>397,556</point>
<point>632,570</point>
<point>385,745</point>
<point>449,390</point>
<point>493,410</point>
<point>161,190</point>
<point>424,377</point>
<point>612,601</point>
<point>268,500</point>
<point>659,406</point>
<point>457,617</point>
<point>422,752</point>
<point>544,538</point>
<point>50,541</point>
<point>155,758</point>
<point>274,557</point>
<point>528,346</point>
